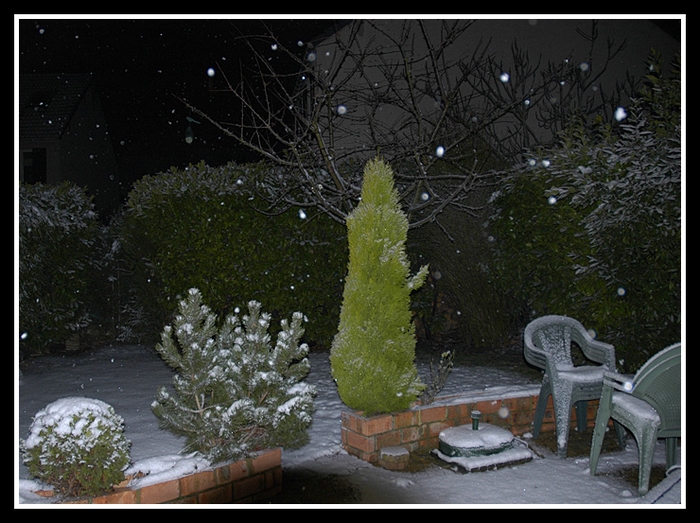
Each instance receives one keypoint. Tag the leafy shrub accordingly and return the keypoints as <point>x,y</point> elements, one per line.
<point>77,445</point>
<point>595,231</point>
<point>234,392</point>
<point>461,296</point>
<point>202,227</point>
<point>372,355</point>
<point>57,232</point>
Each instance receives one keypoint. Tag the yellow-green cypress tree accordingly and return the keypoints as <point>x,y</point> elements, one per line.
<point>373,353</point>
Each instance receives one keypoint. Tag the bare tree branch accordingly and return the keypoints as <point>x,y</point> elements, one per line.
<point>413,91</point>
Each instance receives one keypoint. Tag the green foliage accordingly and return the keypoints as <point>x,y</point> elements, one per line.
<point>201,227</point>
<point>234,392</point>
<point>595,231</point>
<point>57,232</point>
<point>372,356</point>
<point>461,276</point>
<point>77,445</point>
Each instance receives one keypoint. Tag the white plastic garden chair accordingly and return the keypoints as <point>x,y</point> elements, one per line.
<point>547,345</point>
<point>649,405</point>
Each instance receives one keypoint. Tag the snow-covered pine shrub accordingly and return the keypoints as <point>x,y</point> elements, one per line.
<point>78,446</point>
<point>57,232</point>
<point>234,392</point>
<point>595,231</point>
<point>203,227</point>
<point>373,353</point>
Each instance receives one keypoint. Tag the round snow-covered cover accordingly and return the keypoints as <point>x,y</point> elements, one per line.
<point>465,441</point>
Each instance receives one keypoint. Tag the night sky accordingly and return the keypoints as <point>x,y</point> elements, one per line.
<point>140,65</point>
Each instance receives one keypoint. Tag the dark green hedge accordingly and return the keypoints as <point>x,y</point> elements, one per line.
<point>591,228</point>
<point>58,229</point>
<point>203,227</point>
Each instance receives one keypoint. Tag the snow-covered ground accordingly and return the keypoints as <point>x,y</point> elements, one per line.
<point>127,378</point>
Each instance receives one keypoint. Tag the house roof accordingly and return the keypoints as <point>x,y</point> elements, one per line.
<point>47,102</point>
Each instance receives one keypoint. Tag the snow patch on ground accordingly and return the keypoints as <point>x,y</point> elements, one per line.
<point>127,378</point>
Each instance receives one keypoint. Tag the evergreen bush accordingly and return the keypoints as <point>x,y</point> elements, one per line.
<point>594,232</point>
<point>78,446</point>
<point>373,353</point>
<point>234,393</point>
<point>471,304</point>
<point>58,228</point>
<point>204,227</point>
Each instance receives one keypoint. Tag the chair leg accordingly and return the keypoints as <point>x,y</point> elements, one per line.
<point>601,422</point>
<point>545,393</point>
<point>562,413</point>
<point>671,452</point>
<point>621,434</point>
<point>582,416</point>
<point>539,415</point>
<point>646,441</point>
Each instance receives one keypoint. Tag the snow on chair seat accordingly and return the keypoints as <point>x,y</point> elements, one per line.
<point>547,345</point>
<point>649,405</point>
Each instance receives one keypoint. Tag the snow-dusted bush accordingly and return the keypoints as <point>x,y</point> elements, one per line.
<point>592,228</point>
<point>78,446</point>
<point>460,296</point>
<point>234,392</point>
<point>57,232</point>
<point>204,227</point>
<point>373,353</point>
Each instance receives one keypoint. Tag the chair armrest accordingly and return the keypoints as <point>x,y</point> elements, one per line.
<point>617,381</point>
<point>600,352</point>
<point>535,356</point>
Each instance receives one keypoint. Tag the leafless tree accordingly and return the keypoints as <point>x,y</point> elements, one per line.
<point>425,94</point>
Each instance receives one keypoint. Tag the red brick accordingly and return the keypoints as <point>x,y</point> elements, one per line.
<point>217,496</point>
<point>360,442</point>
<point>436,428</point>
<point>376,425</point>
<point>410,434</point>
<point>351,421</point>
<point>405,419</point>
<point>246,488</point>
<point>232,472</point>
<point>523,418</point>
<point>160,492</point>
<point>518,404</point>
<point>187,500</point>
<point>454,413</point>
<point>430,414</point>
<point>273,477</point>
<point>197,482</point>
<point>388,439</point>
<point>267,460</point>
<point>487,406</point>
<point>428,444</point>
<point>120,496</point>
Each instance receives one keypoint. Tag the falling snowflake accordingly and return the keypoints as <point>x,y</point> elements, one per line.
<point>620,114</point>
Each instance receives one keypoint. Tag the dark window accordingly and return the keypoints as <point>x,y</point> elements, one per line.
<point>34,166</point>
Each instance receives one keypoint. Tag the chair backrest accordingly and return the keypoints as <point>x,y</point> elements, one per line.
<point>551,336</point>
<point>658,382</point>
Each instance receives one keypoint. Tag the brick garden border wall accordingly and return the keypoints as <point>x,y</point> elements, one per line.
<point>250,480</point>
<point>418,429</point>
<point>255,479</point>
